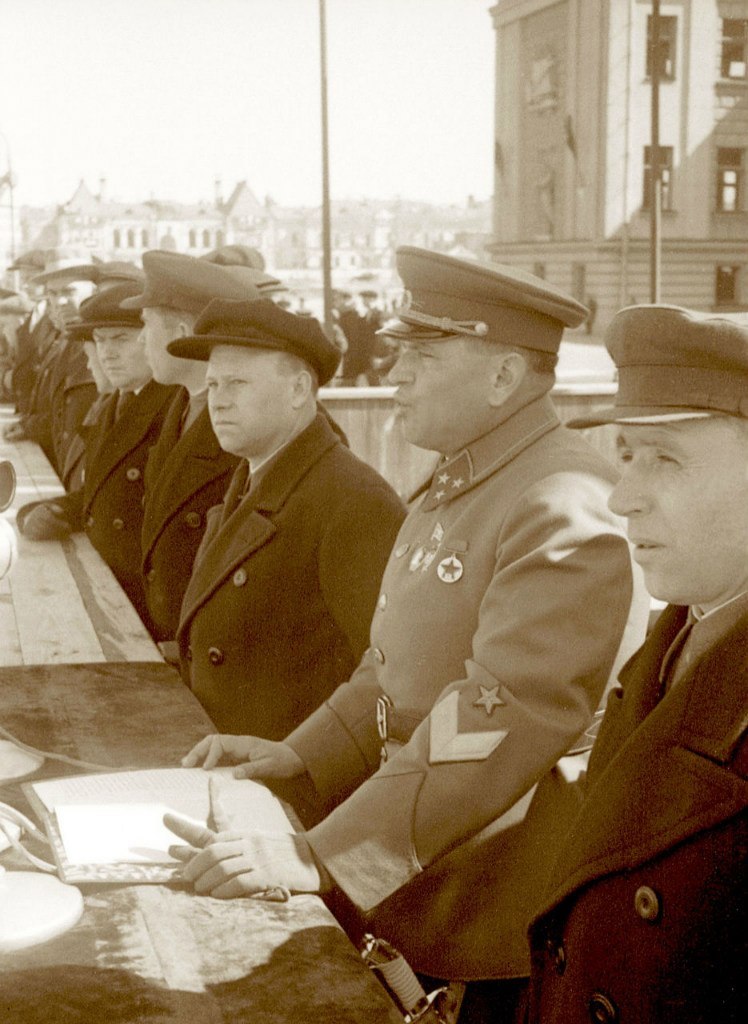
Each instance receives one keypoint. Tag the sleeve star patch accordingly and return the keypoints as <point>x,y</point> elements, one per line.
<point>489,699</point>
<point>448,743</point>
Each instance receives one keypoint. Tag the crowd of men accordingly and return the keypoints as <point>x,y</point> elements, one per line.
<point>425,687</point>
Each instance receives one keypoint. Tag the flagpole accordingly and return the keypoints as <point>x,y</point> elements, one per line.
<point>326,233</point>
<point>655,171</point>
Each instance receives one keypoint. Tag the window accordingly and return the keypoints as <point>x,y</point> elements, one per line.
<point>729,179</point>
<point>734,44</point>
<point>726,286</point>
<point>206,237</point>
<point>144,238</point>
<point>117,238</point>
<point>220,238</point>
<point>666,177</point>
<point>193,238</point>
<point>131,239</point>
<point>665,47</point>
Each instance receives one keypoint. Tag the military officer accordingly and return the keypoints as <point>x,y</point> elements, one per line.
<point>501,612</point>
<point>645,917</point>
<point>187,471</point>
<point>278,607</point>
<point>108,506</point>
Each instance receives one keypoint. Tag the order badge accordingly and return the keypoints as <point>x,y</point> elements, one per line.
<point>450,569</point>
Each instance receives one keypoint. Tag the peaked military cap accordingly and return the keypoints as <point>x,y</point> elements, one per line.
<point>447,297</point>
<point>187,283</point>
<point>674,364</point>
<point>32,259</point>
<point>98,272</point>
<point>103,309</point>
<point>236,256</point>
<point>259,324</point>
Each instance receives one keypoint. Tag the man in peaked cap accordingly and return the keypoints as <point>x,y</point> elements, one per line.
<point>644,918</point>
<point>278,607</point>
<point>501,612</point>
<point>108,506</point>
<point>187,471</point>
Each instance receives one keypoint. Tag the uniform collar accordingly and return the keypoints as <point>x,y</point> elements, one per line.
<point>489,453</point>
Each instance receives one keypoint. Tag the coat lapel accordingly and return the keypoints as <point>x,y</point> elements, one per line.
<point>246,524</point>
<point>177,472</point>
<point>684,742</point>
<point>117,440</point>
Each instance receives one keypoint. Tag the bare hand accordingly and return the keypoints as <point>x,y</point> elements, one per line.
<point>256,758</point>
<point>262,865</point>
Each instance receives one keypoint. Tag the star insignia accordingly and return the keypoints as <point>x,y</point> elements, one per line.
<point>457,482</point>
<point>489,699</point>
<point>439,495</point>
<point>443,478</point>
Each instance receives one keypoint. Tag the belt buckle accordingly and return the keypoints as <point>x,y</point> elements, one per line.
<point>383,705</point>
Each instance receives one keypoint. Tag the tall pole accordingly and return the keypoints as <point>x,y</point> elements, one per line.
<point>11,186</point>
<point>326,236</point>
<point>655,196</point>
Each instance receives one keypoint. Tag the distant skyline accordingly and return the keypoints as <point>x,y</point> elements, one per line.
<point>162,97</point>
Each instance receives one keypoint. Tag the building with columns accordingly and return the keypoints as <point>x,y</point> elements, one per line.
<point>572,148</point>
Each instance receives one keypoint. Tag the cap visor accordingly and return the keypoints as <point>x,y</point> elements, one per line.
<point>636,415</point>
<point>83,331</point>
<point>200,346</point>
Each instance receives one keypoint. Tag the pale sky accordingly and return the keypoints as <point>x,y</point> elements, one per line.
<point>161,97</point>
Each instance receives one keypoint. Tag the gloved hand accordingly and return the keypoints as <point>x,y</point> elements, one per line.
<point>44,521</point>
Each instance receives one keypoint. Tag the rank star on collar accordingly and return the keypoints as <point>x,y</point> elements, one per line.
<point>489,699</point>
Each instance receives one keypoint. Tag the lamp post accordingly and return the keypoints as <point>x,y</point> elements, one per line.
<point>655,196</point>
<point>7,179</point>
<point>326,234</point>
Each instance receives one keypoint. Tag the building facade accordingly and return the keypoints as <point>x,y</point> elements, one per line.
<point>572,148</point>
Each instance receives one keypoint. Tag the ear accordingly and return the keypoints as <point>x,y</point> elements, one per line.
<point>508,372</point>
<point>303,387</point>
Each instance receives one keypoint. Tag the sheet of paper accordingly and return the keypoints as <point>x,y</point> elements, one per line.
<point>115,833</point>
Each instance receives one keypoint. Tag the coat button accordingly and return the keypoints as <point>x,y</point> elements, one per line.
<point>382,602</point>
<point>557,954</point>
<point>89,522</point>
<point>215,656</point>
<point>240,577</point>
<point>378,655</point>
<point>118,524</point>
<point>646,903</point>
<point>193,520</point>
<point>602,1010</point>
<point>151,575</point>
<point>133,473</point>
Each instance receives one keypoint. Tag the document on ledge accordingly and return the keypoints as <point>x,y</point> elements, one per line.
<point>110,827</point>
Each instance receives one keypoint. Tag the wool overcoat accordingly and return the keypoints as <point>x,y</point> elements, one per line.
<point>646,917</point>
<point>278,608</point>
<point>501,612</point>
<point>109,505</point>
<point>186,474</point>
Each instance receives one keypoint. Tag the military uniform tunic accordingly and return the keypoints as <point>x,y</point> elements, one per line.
<point>501,611</point>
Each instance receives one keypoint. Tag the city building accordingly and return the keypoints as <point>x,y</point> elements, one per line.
<point>572,148</point>
<point>365,233</point>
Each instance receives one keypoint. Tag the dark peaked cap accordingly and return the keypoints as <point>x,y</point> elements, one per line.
<point>259,324</point>
<point>448,297</point>
<point>103,310</point>
<point>176,281</point>
<point>673,363</point>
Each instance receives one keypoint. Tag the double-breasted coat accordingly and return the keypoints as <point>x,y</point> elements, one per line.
<point>278,608</point>
<point>109,505</point>
<point>72,391</point>
<point>646,917</point>
<point>501,611</point>
<point>186,474</point>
